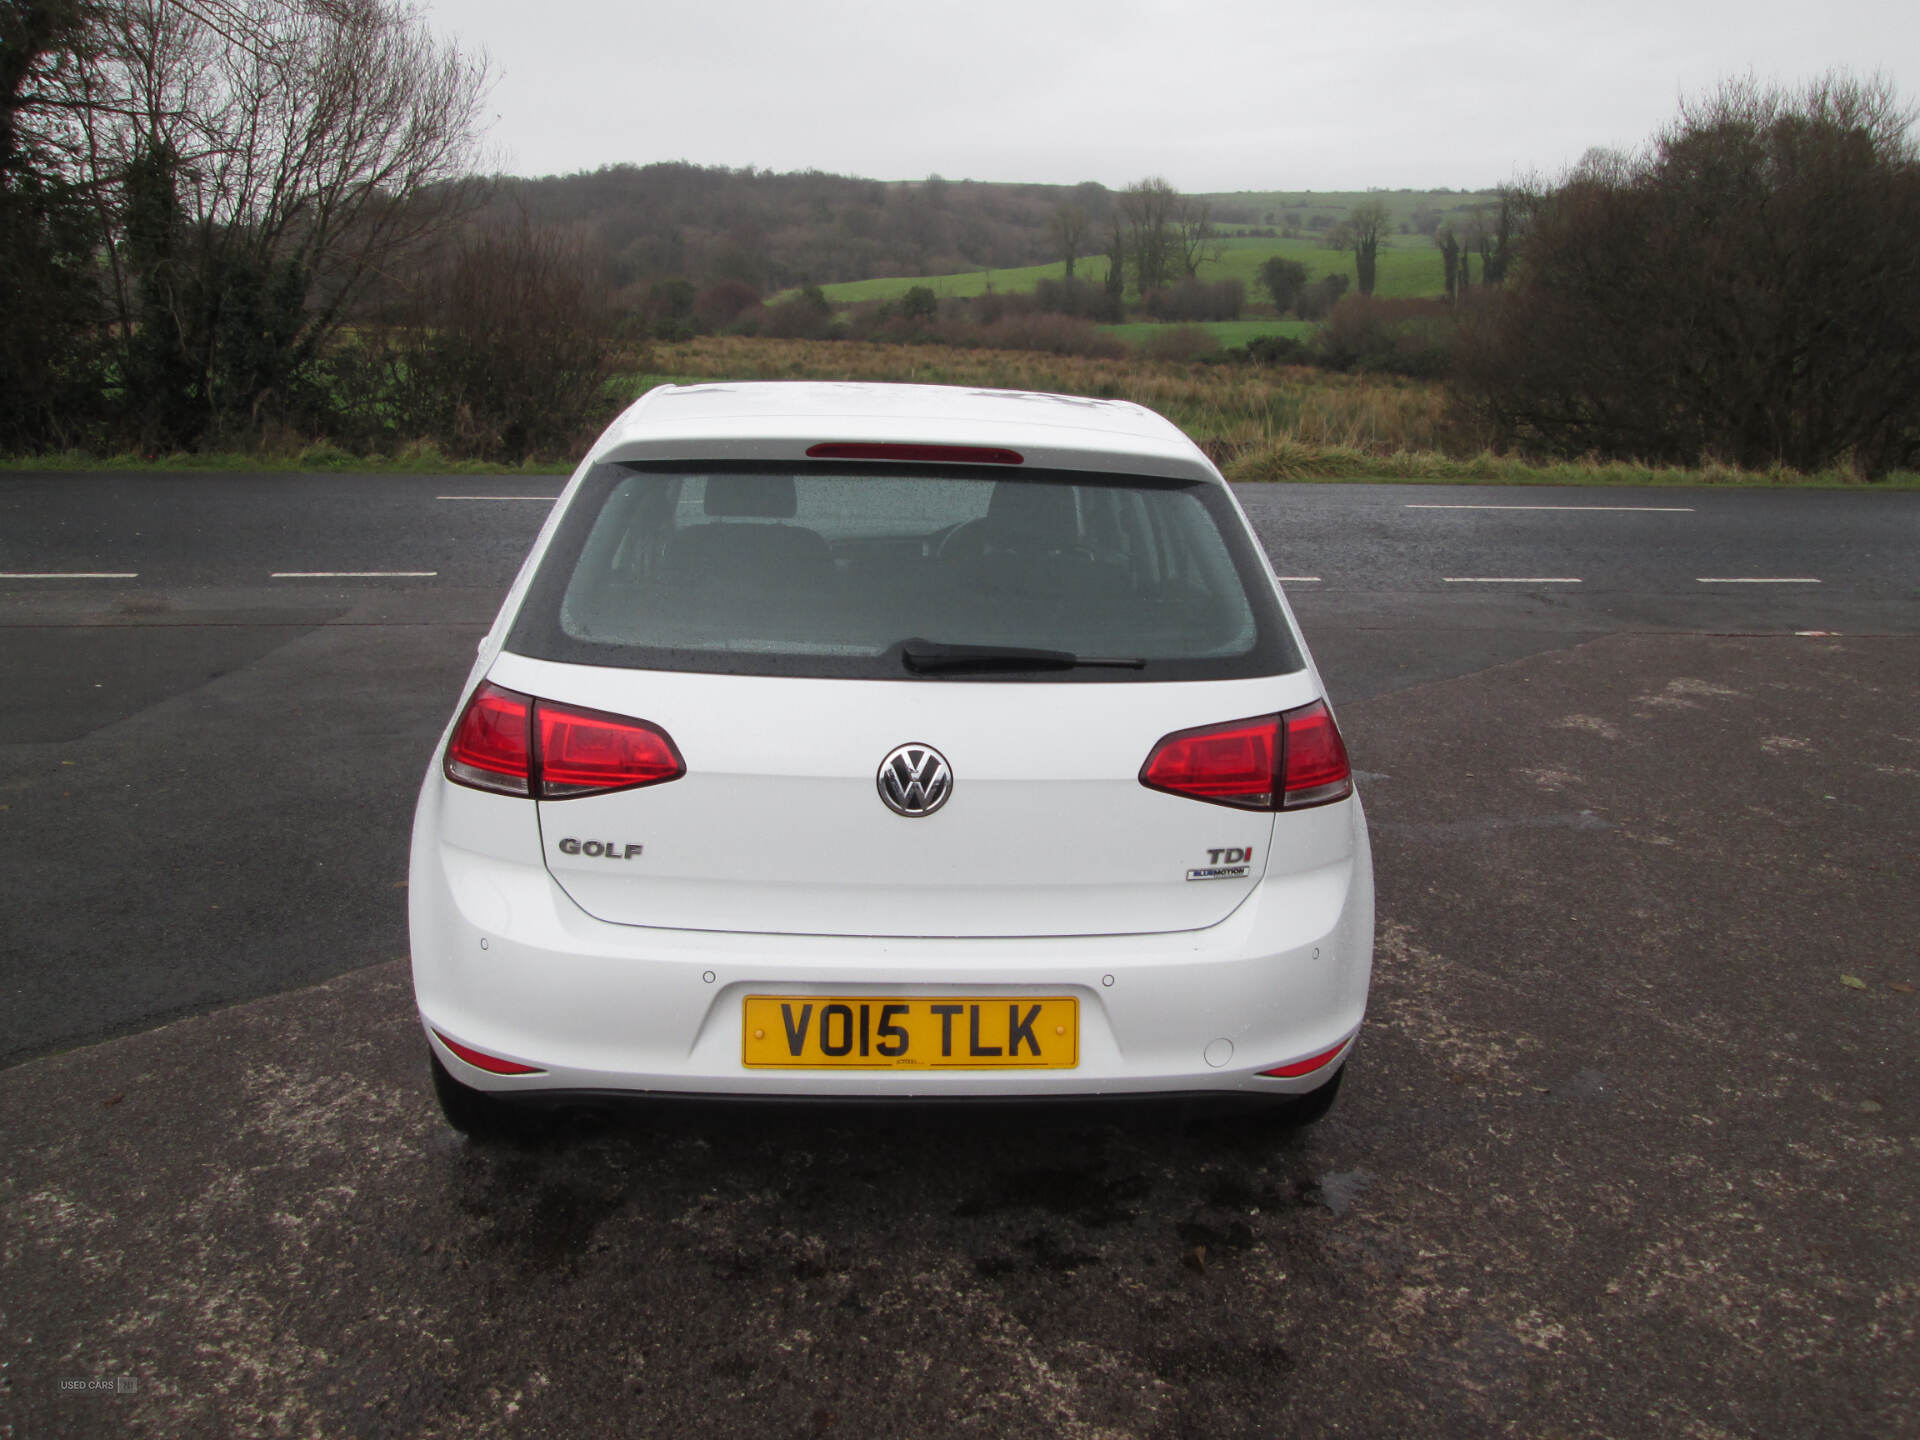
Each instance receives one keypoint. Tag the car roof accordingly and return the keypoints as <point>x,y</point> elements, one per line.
<point>779,419</point>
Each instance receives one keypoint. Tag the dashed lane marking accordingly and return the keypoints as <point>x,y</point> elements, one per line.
<point>497,497</point>
<point>69,575</point>
<point>1633,509</point>
<point>1511,579</point>
<point>1755,580</point>
<point>354,574</point>
<point>1298,579</point>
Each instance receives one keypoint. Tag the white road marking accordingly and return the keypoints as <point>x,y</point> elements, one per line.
<point>1298,579</point>
<point>1755,580</point>
<point>354,574</point>
<point>497,497</point>
<point>1510,579</point>
<point>70,575</point>
<point>1636,509</point>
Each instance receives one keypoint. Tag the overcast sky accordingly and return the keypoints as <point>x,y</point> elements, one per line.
<point>1222,95</point>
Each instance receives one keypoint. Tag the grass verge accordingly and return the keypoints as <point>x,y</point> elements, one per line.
<point>321,459</point>
<point>1290,423</point>
<point>1291,461</point>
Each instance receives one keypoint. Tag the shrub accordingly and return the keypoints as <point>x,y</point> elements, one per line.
<point>1401,337</point>
<point>1317,299</point>
<point>1195,300</point>
<point>990,307</point>
<point>1285,280</point>
<point>1181,342</point>
<point>1084,298</point>
<point>1055,334</point>
<point>920,304</point>
<point>669,310</point>
<point>723,302</point>
<point>1744,288</point>
<point>1276,350</point>
<point>807,316</point>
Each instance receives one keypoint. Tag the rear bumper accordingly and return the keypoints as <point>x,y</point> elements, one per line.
<point>506,963</point>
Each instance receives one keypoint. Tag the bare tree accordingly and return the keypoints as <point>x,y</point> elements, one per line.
<point>1067,227</point>
<point>256,165</point>
<point>1448,241</point>
<point>1360,232</point>
<point>1193,235</point>
<point>509,352</point>
<point>1149,207</point>
<point>1494,231</point>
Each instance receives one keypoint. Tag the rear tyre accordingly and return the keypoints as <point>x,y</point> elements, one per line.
<point>475,1113</point>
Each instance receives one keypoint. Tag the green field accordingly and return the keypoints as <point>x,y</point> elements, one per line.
<point>1230,333</point>
<point>962,286</point>
<point>1406,267</point>
<point>1409,266</point>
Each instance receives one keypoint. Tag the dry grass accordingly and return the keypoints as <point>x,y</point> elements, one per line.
<point>1292,423</point>
<point>1228,409</point>
<point>1285,423</point>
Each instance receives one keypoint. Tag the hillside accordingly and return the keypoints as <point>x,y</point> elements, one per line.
<point>870,238</point>
<point>1409,266</point>
<point>681,221</point>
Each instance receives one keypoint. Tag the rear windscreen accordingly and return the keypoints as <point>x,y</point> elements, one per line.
<point>755,571</point>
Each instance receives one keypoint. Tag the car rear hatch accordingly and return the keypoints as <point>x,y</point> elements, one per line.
<point>780,824</point>
<point>793,629</point>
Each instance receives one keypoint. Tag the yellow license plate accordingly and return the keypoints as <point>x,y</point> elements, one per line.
<point>911,1032</point>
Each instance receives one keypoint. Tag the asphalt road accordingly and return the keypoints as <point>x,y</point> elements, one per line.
<point>1680,550</point>
<point>208,762</point>
<point>1622,1153</point>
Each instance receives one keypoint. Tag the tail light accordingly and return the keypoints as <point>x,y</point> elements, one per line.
<point>1316,768</point>
<point>514,744</point>
<point>1271,762</point>
<point>585,752</point>
<point>492,748</point>
<point>1231,764</point>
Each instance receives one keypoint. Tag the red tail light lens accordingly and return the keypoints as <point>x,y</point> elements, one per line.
<point>579,752</point>
<point>1317,768</point>
<point>1230,764</point>
<point>492,747</point>
<point>583,752</point>
<point>480,1060</point>
<point>1271,762</point>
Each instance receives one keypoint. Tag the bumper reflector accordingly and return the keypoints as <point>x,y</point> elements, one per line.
<point>492,1064</point>
<point>1307,1066</point>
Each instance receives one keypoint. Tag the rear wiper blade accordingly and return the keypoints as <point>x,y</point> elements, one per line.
<point>928,656</point>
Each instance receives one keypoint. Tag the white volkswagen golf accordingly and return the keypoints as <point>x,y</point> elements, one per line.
<point>890,741</point>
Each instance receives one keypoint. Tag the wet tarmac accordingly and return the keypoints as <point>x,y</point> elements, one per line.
<point>1628,1148</point>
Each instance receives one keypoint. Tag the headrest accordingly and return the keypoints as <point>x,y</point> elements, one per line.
<point>761,497</point>
<point>1030,516</point>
